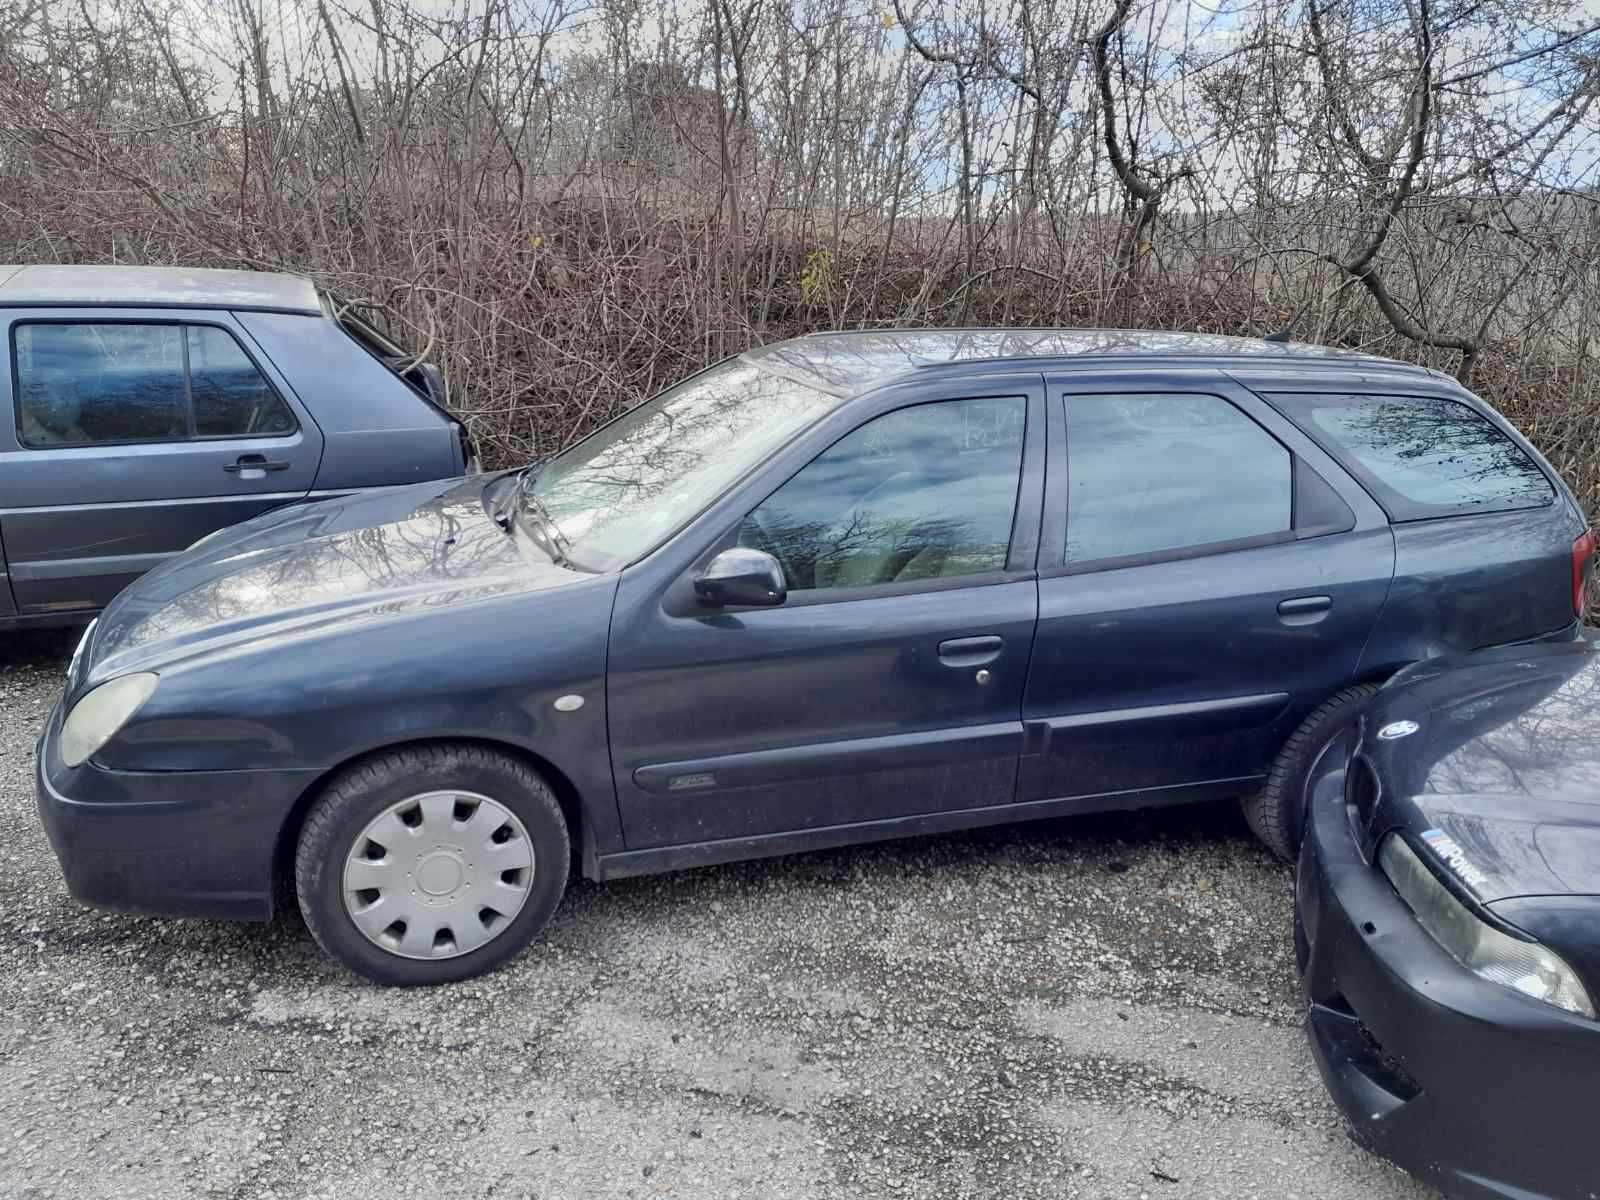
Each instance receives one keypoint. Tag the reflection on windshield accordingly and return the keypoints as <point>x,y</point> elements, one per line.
<point>618,493</point>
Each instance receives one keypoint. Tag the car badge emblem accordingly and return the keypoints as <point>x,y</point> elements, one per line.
<point>1398,729</point>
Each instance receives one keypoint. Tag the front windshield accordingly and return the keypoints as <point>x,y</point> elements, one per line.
<point>618,493</point>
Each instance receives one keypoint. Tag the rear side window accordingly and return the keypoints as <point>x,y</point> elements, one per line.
<point>1422,456</point>
<point>89,383</point>
<point>1170,474</point>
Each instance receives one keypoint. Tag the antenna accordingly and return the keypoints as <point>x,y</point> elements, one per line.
<point>1285,334</point>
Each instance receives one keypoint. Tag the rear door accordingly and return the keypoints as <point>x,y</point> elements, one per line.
<point>1207,577</point>
<point>127,435</point>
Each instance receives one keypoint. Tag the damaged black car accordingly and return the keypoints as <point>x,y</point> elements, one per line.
<point>1447,923</point>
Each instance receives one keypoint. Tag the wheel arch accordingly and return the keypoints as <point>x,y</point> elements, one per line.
<point>1381,675</point>
<point>567,795</point>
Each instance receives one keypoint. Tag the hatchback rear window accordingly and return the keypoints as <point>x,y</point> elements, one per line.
<point>1422,456</point>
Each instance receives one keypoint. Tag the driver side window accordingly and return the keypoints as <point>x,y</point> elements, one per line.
<point>926,492</point>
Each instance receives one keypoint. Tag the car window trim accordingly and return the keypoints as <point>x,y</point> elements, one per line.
<point>1150,558</point>
<point>1009,572</point>
<point>811,597</point>
<point>1059,449</point>
<point>192,437</point>
<point>1400,509</point>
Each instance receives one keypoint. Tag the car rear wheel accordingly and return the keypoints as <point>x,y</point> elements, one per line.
<point>1277,813</point>
<point>431,864</point>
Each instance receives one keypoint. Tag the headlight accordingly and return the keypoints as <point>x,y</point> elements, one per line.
<point>1526,967</point>
<point>95,719</point>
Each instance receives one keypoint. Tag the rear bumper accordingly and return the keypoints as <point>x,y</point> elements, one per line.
<point>1471,1087</point>
<point>168,843</point>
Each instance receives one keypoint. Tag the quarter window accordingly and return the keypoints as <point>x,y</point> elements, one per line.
<point>1423,456</point>
<point>86,383</point>
<point>231,399</point>
<point>918,494</point>
<point>1152,474</point>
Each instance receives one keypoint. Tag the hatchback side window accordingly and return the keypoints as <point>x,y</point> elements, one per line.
<point>1422,456</point>
<point>231,399</point>
<point>90,383</point>
<point>1154,474</point>
<point>80,384</point>
<point>921,493</point>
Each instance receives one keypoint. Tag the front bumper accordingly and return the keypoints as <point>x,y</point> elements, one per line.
<point>166,843</point>
<point>1473,1088</point>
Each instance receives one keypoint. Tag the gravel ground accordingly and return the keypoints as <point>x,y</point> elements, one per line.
<point>1099,1007</point>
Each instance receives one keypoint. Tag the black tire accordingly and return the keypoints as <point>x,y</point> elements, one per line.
<point>1276,814</point>
<point>359,795</point>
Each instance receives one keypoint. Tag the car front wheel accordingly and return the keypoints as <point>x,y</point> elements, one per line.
<point>431,864</point>
<point>1277,813</point>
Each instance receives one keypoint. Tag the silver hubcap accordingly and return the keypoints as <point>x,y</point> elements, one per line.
<point>438,875</point>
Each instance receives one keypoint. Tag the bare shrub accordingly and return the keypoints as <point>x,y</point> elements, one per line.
<point>570,208</point>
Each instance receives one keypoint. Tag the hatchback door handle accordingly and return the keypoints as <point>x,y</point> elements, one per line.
<point>970,651</point>
<point>255,462</point>
<point>1304,610</point>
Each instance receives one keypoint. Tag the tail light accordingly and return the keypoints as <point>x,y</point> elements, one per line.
<point>1582,555</point>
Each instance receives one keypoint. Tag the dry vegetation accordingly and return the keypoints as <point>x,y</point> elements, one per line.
<point>569,207</point>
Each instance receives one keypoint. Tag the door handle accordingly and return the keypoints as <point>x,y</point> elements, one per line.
<point>1304,610</point>
<point>255,462</point>
<point>970,651</point>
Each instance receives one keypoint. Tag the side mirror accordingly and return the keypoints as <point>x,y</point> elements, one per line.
<point>742,576</point>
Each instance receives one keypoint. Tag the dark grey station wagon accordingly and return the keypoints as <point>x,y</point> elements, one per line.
<point>847,587</point>
<point>146,407</point>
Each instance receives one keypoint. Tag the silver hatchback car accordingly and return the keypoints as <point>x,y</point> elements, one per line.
<point>146,407</point>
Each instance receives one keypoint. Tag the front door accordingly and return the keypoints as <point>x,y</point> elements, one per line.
<point>128,438</point>
<point>890,682</point>
<point>1208,576</point>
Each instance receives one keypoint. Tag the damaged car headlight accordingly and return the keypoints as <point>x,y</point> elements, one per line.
<point>1526,967</point>
<point>95,719</point>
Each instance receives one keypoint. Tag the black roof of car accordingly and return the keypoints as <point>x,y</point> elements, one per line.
<point>848,363</point>
<point>159,287</point>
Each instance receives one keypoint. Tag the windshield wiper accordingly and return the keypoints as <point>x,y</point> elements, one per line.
<point>556,542</point>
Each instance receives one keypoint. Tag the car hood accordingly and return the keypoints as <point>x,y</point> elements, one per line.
<point>1500,778</point>
<point>346,561</point>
